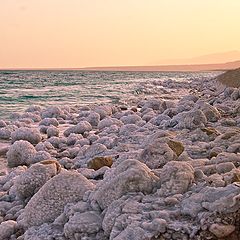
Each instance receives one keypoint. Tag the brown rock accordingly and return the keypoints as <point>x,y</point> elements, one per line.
<point>51,161</point>
<point>177,147</point>
<point>99,162</point>
<point>210,131</point>
<point>220,230</point>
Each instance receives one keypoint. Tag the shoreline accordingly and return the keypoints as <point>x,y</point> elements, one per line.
<point>157,170</point>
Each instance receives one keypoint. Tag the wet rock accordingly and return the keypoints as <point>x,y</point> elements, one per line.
<point>20,153</point>
<point>31,135</point>
<point>99,162</point>
<point>48,203</point>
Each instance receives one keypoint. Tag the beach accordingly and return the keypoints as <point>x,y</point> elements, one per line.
<point>158,165</point>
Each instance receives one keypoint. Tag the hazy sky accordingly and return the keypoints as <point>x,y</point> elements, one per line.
<point>81,33</point>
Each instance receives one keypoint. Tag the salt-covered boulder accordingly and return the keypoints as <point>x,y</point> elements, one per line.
<point>29,134</point>
<point>129,176</point>
<point>20,153</point>
<point>5,133</point>
<point>40,156</point>
<point>93,118</point>
<point>82,224</point>
<point>33,116</point>
<point>103,111</point>
<point>48,203</point>
<point>51,112</point>
<point>73,138</point>
<point>130,119</point>
<point>157,153</point>
<point>175,178</point>
<point>190,120</point>
<point>29,182</point>
<point>53,132</point>
<point>80,128</point>
<point>7,228</point>
<point>33,108</point>
<point>49,122</point>
<point>2,124</point>
<point>211,113</point>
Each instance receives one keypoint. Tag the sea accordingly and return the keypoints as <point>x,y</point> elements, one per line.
<point>22,88</point>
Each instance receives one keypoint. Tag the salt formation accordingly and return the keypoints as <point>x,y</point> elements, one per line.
<point>160,169</point>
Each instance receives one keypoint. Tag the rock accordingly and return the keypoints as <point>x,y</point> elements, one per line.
<point>29,182</point>
<point>99,162</point>
<point>157,153</point>
<point>190,120</point>
<point>20,153</point>
<point>33,108</point>
<point>211,113</point>
<point>52,132</point>
<point>93,118</point>
<point>51,112</point>
<point>129,176</point>
<point>2,124</point>
<point>83,223</point>
<point>7,228</point>
<point>40,156</point>
<point>220,230</point>
<point>28,134</point>
<point>130,119</point>
<point>49,122</point>
<point>175,178</point>
<point>176,146</point>
<point>48,203</point>
<point>80,128</point>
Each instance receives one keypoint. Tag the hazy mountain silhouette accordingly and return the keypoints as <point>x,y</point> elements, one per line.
<point>213,58</point>
<point>186,67</point>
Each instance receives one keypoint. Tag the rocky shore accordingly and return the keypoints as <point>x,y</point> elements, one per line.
<point>158,170</point>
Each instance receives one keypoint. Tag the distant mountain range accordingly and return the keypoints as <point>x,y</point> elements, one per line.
<point>184,67</point>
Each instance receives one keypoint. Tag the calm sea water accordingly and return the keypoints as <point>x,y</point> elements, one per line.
<point>19,89</point>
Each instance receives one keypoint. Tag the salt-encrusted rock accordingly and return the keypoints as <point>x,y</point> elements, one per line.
<point>5,133</point>
<point>2,124</point>
<point>175,178</point>
<point>81,224</point>
<point>130,119</point>
<point>33,116</point>
<point>223,200</point>
<point>211,113</point>
<point>28,183</point>
<point>103,111</point>
<point>128,176</point>
<point>159,119</point>
<point>73,138</point>
<point>156,154</point>
<point>190,120</point>
<point>20,153</point>
<point>155,104</point>
<point>51,112</point>
<point>221,230</point>
<point>95,150</point>
<point>99,162</point>
<point>93,118</point>
<point>49,122</point>
<point>29,134</point>
<point>7,228</point>
<point>48,203</point>
<point>80,128</point>
<point>40,156</point>
<point>33,108</point>
<point>44,146</point>
<point>53,132</point>
<point>106,122</point>
<point>128,129</point>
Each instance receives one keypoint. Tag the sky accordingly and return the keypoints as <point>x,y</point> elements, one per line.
<point>85,33</point>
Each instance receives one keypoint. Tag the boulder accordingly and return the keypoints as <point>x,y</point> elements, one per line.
<point>48,203</point>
